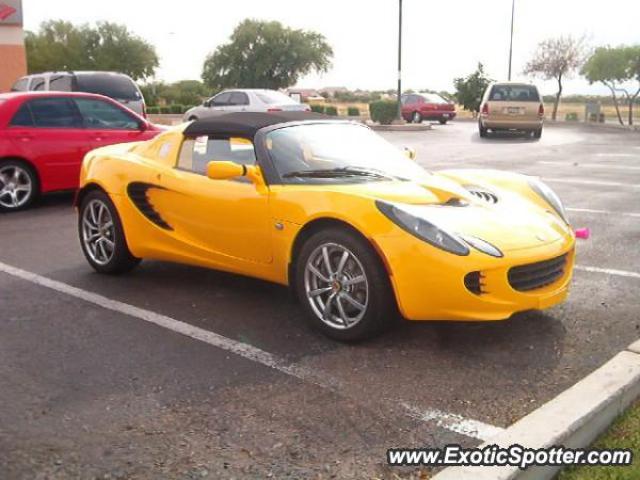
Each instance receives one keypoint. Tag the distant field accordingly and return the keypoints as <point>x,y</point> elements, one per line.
<point>563,109</point>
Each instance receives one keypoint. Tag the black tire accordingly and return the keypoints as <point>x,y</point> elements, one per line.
<point>537,133</point>
<point>121,260</point>
<point>443,121</point>
<point>380,310</point>
<point>416,117</point>
<point>482,130</point>
<point>26,178</point>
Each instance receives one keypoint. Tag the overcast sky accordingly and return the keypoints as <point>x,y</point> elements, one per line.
<point>442,39</point>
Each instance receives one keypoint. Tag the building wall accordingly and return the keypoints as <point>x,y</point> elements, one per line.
<point>13,58</point>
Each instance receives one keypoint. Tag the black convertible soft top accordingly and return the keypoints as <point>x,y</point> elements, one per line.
<point>246,124</point>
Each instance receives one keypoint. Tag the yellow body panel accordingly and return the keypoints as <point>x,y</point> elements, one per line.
<point>249,228</point>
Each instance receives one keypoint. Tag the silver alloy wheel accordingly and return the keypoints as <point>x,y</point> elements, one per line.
<point>98,232</point>
<point>336,286</point>
<point>417,118</point>
<point>16,186</point>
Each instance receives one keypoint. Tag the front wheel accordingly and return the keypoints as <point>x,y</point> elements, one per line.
<point>344,286</point>
<point>101,235</point>
<point>18,186</point>
<point>416,117</point>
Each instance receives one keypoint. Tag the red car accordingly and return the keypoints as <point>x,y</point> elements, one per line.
<point>417,107</point>
<point>45,135</point>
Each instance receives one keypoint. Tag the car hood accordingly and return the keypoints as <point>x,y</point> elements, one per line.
<point>513,222</point>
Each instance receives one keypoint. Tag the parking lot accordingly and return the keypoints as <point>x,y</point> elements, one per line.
<point>101,377</point>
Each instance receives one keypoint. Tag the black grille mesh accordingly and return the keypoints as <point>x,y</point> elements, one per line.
<point>537,275</point>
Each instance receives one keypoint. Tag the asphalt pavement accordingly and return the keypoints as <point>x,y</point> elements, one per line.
<point>93,392</point>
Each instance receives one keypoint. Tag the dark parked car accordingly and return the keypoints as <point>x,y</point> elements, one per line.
<point>417,107</point>
<point>114,85</point>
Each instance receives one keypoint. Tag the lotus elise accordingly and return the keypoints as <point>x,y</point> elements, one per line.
<point>356,227</point>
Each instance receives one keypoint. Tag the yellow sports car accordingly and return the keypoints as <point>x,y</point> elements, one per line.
<point>353,225</point>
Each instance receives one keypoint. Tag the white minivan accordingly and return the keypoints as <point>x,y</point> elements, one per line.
<point>118,86</point>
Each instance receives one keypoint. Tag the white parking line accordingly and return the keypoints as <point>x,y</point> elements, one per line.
<point>455,423</point>
<point>604,212</point>
<point>603,183</point>
<point>616,154</point>
<point>449,421</point>
<point>611,166</point>
<point>608,271</point>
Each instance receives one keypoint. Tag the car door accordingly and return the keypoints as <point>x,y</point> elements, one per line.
<point>106,123</point>
<point>220,102</point>
<point>48,132</point>
<point>225,221</point>
<point>238,102</point>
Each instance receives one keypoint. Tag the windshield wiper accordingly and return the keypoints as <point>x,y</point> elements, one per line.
<point>338,172</point>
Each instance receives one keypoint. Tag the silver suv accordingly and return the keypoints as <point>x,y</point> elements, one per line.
<point>118,86</point>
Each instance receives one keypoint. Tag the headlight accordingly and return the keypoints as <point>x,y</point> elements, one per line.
<point>549,196</point>
<point>423,230</point>
<point>481,245</point>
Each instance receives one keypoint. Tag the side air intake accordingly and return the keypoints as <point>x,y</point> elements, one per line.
<point>137,192</point>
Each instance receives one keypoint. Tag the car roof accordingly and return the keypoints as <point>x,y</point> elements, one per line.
<point>47,93</point>
<point>246,124</point>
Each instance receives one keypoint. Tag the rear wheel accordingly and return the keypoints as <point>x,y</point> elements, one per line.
<point>537,133</point>
<point>18,185</point>
<point>343,286</point>
<point>101,235</point>
<point>482,130</point>
<point>416,117</point>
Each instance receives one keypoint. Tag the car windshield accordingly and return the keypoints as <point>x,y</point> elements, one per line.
<point>119,87</point>
<point>433,98</point>
<point>514,93</point>
<point>337,152</point>
<point>275,98</point>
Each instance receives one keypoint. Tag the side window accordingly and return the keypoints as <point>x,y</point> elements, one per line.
<point>239,98</point>
<point>221,99</point>
<point>60,83</point>
<point>196,153</point>
<point>37,83</point>
<point>20,85</point>
<point>55,112</point>
<point>103,115</point>
<point>22,117</point>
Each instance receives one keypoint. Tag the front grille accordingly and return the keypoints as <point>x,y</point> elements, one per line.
<point>537,275</point>
<point>483,194</point>
<point>473,282</point>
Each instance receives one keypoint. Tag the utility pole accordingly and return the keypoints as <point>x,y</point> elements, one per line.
<point>513,6</point>
<point>400,60</point>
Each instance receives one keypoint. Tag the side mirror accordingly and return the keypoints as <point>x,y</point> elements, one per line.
<point>225,170</point>
<point>410,153</point>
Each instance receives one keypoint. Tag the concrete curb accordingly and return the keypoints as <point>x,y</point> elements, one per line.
<point>409,127</point>
<point>574,418</point>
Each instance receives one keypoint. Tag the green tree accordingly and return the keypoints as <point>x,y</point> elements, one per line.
<point>469,89</point>
<point>632,55</point>
<point>556,58</point>
<point>608,66</point>
<point>266,55</point>
<point>60,45</point>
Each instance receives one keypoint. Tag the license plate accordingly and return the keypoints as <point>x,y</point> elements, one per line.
<point>445,115</point>
<point>513,111</point>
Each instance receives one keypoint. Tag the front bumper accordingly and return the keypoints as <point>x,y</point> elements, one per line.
<point>431,287</point>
